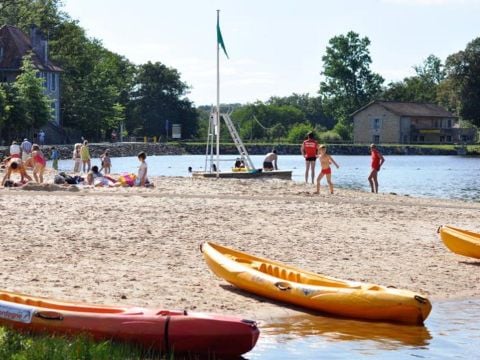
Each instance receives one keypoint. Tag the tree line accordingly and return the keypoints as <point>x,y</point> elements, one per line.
<point>101,89</point>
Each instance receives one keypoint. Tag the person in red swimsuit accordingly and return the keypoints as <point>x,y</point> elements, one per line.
<point>377,162</point>
<point>309,152</point>
<point>325,161</point>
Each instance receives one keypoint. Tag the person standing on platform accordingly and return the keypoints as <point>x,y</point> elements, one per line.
<point>309,152</point>
<point>377,162</point>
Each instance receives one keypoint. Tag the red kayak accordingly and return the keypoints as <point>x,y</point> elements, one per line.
<point>162,330</point>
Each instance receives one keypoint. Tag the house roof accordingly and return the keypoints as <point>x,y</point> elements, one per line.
<point>412,109</point>
<point>15,46</point>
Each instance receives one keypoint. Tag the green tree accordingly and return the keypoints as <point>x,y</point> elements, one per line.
<point>349,83</point>
<point>299,131</point>
<point>158,97</point>
<point>37,110</point>
<point>420,88</point>
<point>311,106</point>
<point>3,108</point>
<point>463,82</point>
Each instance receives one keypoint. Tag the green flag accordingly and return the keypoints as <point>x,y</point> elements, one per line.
<point>220,38</point>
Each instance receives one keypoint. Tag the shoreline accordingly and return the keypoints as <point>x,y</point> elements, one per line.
<point>139,246</point>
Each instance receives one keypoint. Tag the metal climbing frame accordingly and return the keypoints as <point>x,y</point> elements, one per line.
<point>212,133</point>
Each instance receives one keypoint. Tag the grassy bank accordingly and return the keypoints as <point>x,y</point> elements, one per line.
<point>18,346</point>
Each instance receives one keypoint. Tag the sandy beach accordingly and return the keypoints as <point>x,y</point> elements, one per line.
<point>141,246</point>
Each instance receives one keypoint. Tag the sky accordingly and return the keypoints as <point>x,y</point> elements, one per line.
<point>275,47</point>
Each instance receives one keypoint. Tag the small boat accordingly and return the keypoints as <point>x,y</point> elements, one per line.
<point>459,241</point>
<point>153,329</point>
<point>318,292</point>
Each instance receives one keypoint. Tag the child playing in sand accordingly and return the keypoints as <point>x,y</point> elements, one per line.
<point>15,165</point>
<point>325,161</point>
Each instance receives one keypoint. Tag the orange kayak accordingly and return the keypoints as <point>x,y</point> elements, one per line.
<point>460,241</point>
<point>161,330</point>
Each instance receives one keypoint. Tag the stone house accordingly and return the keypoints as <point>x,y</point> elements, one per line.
<point>14,45</point>
<point>408,123</point>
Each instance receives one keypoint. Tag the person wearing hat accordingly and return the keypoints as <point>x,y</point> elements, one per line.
<point>26,147</point>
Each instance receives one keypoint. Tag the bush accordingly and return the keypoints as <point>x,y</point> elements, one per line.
<point>329,137</point>
<point>299,132</point>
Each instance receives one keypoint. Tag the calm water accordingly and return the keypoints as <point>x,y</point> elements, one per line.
<point>452,177</point>
<point>452,331</point>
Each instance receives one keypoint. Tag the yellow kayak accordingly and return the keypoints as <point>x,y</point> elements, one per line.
<point>462,242</point>
<point>322,293</point>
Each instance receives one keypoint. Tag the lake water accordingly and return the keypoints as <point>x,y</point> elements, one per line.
<point>452,331</point>
<point>453,177</point>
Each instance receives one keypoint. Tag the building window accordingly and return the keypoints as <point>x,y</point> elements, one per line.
<point>442,139</point>
<point>415,138</point>
<point>449,123</point>
<point>421,138</point>
<point>449,138</point>
<point>376,124</point>
<point>376,139</point>
<point>53,81</point>
<point>1,53</point>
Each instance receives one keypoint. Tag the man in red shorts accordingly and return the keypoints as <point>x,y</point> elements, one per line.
<point>309,152</point>
<point>377,162</point>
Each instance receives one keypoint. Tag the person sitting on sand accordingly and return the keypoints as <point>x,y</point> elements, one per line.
<point>15,165</point>
<point>270,161</point>
<point>325,161</point>
<point>142,179</point>
<point>239,164</point>
<point>39,163</point>
<point>97,179</point>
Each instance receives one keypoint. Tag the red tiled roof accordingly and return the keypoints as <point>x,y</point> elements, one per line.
<point>412,109</point>
<point>16,45</point>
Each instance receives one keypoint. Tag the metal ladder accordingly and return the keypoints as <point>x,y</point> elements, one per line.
<point>242,150</point>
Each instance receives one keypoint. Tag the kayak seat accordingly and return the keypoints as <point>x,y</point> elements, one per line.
<point>281,274</point>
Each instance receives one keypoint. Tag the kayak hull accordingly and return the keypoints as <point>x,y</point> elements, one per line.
<point>288,284</point>
<point>153,329</point>
<point>459,241</point>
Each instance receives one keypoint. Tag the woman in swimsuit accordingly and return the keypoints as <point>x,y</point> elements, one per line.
<point>39,163</point>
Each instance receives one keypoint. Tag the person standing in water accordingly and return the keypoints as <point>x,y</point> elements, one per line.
<point>309,152</point>
<point>325,161</point>
<point>377,162</point>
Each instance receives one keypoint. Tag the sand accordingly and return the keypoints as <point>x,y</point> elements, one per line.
<point>141,246</point>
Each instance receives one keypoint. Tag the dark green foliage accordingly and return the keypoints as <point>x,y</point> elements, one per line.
<point>420,88</point>
<point>159,96</point>
<point>349,83</point>
<point>463,76</point>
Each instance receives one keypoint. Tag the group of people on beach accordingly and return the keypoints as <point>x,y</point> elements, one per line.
<point>27,156</point>
<point>312,151</point>
<point>22,157</point>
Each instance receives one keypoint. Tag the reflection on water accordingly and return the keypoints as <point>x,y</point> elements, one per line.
<point>452,330</point>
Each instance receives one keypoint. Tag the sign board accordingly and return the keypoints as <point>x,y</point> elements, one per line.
<point>16,312</point>
<point>176,131</point>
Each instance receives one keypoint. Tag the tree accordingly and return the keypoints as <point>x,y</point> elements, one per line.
<point>3,108</point>
<point>158,99</point>
<point>462,89</point>
<point>37,110</point>
<point>420,88</point>
<point>349,83</point>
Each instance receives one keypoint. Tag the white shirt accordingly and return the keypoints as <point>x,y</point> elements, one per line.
<point>14,149</point>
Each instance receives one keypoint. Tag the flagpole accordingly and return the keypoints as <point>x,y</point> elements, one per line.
<point>218,99</point>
